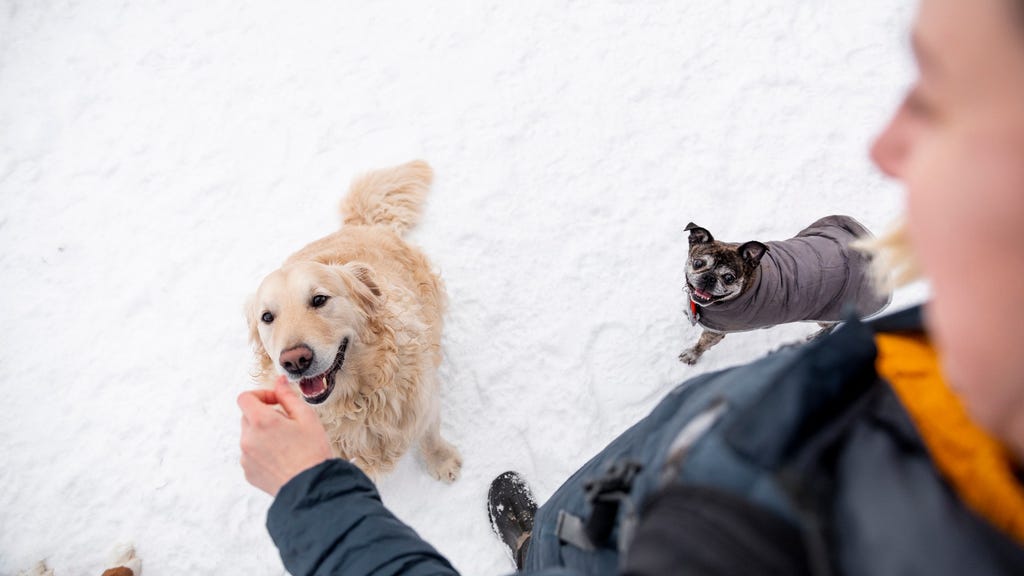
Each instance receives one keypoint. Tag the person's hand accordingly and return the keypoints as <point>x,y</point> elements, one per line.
<point>278,444</point>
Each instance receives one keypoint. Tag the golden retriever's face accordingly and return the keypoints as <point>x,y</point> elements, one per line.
<point>307,317</point>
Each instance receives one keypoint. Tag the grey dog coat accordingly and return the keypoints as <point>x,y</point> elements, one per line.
<point>814,276</point>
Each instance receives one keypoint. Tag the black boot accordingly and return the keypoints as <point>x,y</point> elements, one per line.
<point>511,507</point>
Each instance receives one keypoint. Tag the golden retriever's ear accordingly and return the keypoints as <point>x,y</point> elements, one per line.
<point>250,319</point>
<point>366,289</point>
<point>365,275</point>
<point>264,364</point>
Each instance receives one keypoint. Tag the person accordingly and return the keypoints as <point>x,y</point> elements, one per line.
<point>893,447</point>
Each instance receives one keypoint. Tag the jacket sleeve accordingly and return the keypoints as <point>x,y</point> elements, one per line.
<point>329,520</point>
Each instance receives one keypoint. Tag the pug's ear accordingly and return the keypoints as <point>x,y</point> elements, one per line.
<point>751,252</point>
<point>698,235</point>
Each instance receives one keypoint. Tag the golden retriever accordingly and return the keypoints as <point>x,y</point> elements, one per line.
<point>354,321</point>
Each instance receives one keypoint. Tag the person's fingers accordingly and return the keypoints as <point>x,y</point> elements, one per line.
<point>294,406</point>
<point>245,401</point>
<point>260,395</point>
<point>248,402</point>
<point>254,406</point>
<point>265,395</point>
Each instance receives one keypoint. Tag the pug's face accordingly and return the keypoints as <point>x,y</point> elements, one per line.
<point>719,271</point>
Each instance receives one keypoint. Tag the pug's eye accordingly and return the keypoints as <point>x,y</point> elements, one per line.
<point>267,318</point>
<point>698,264</point>
<point>318,301</point>
<point>728,278</point>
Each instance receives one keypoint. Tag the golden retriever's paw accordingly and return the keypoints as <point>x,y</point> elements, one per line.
<point>40,569</point>
<point>446,464</point>
<point>124,562</point>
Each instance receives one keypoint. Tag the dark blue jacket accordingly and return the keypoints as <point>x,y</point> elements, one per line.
<point>812,445</point>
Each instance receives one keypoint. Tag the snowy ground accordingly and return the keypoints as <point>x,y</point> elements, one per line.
<point>158,158</point>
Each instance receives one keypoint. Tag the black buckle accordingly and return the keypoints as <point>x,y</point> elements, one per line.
<point>605,494</point>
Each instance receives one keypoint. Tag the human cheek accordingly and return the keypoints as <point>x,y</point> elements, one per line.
<point>929,209</point>
<point>966,216</point>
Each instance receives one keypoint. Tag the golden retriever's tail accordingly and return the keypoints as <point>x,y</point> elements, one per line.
<point>390,197</point>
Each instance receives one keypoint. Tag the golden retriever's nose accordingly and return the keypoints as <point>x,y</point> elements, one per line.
<point>296,360</point>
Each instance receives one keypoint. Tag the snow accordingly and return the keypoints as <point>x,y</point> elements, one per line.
<point>158,158</point>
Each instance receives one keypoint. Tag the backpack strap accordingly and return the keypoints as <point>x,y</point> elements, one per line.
<point>605,495</point>
<point>725,534</point>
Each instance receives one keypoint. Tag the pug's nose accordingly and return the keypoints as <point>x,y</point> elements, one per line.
<point>296,360</point>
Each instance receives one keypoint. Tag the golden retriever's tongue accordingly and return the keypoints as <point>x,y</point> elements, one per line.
<point>313,386</point>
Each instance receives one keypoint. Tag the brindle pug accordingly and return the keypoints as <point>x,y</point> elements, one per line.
<point>814,276</point>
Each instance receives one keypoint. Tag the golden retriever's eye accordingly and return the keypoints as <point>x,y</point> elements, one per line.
<point>267,318</point>
<point>318,301</point>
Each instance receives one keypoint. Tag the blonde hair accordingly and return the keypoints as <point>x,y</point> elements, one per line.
<point>893,263</point>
